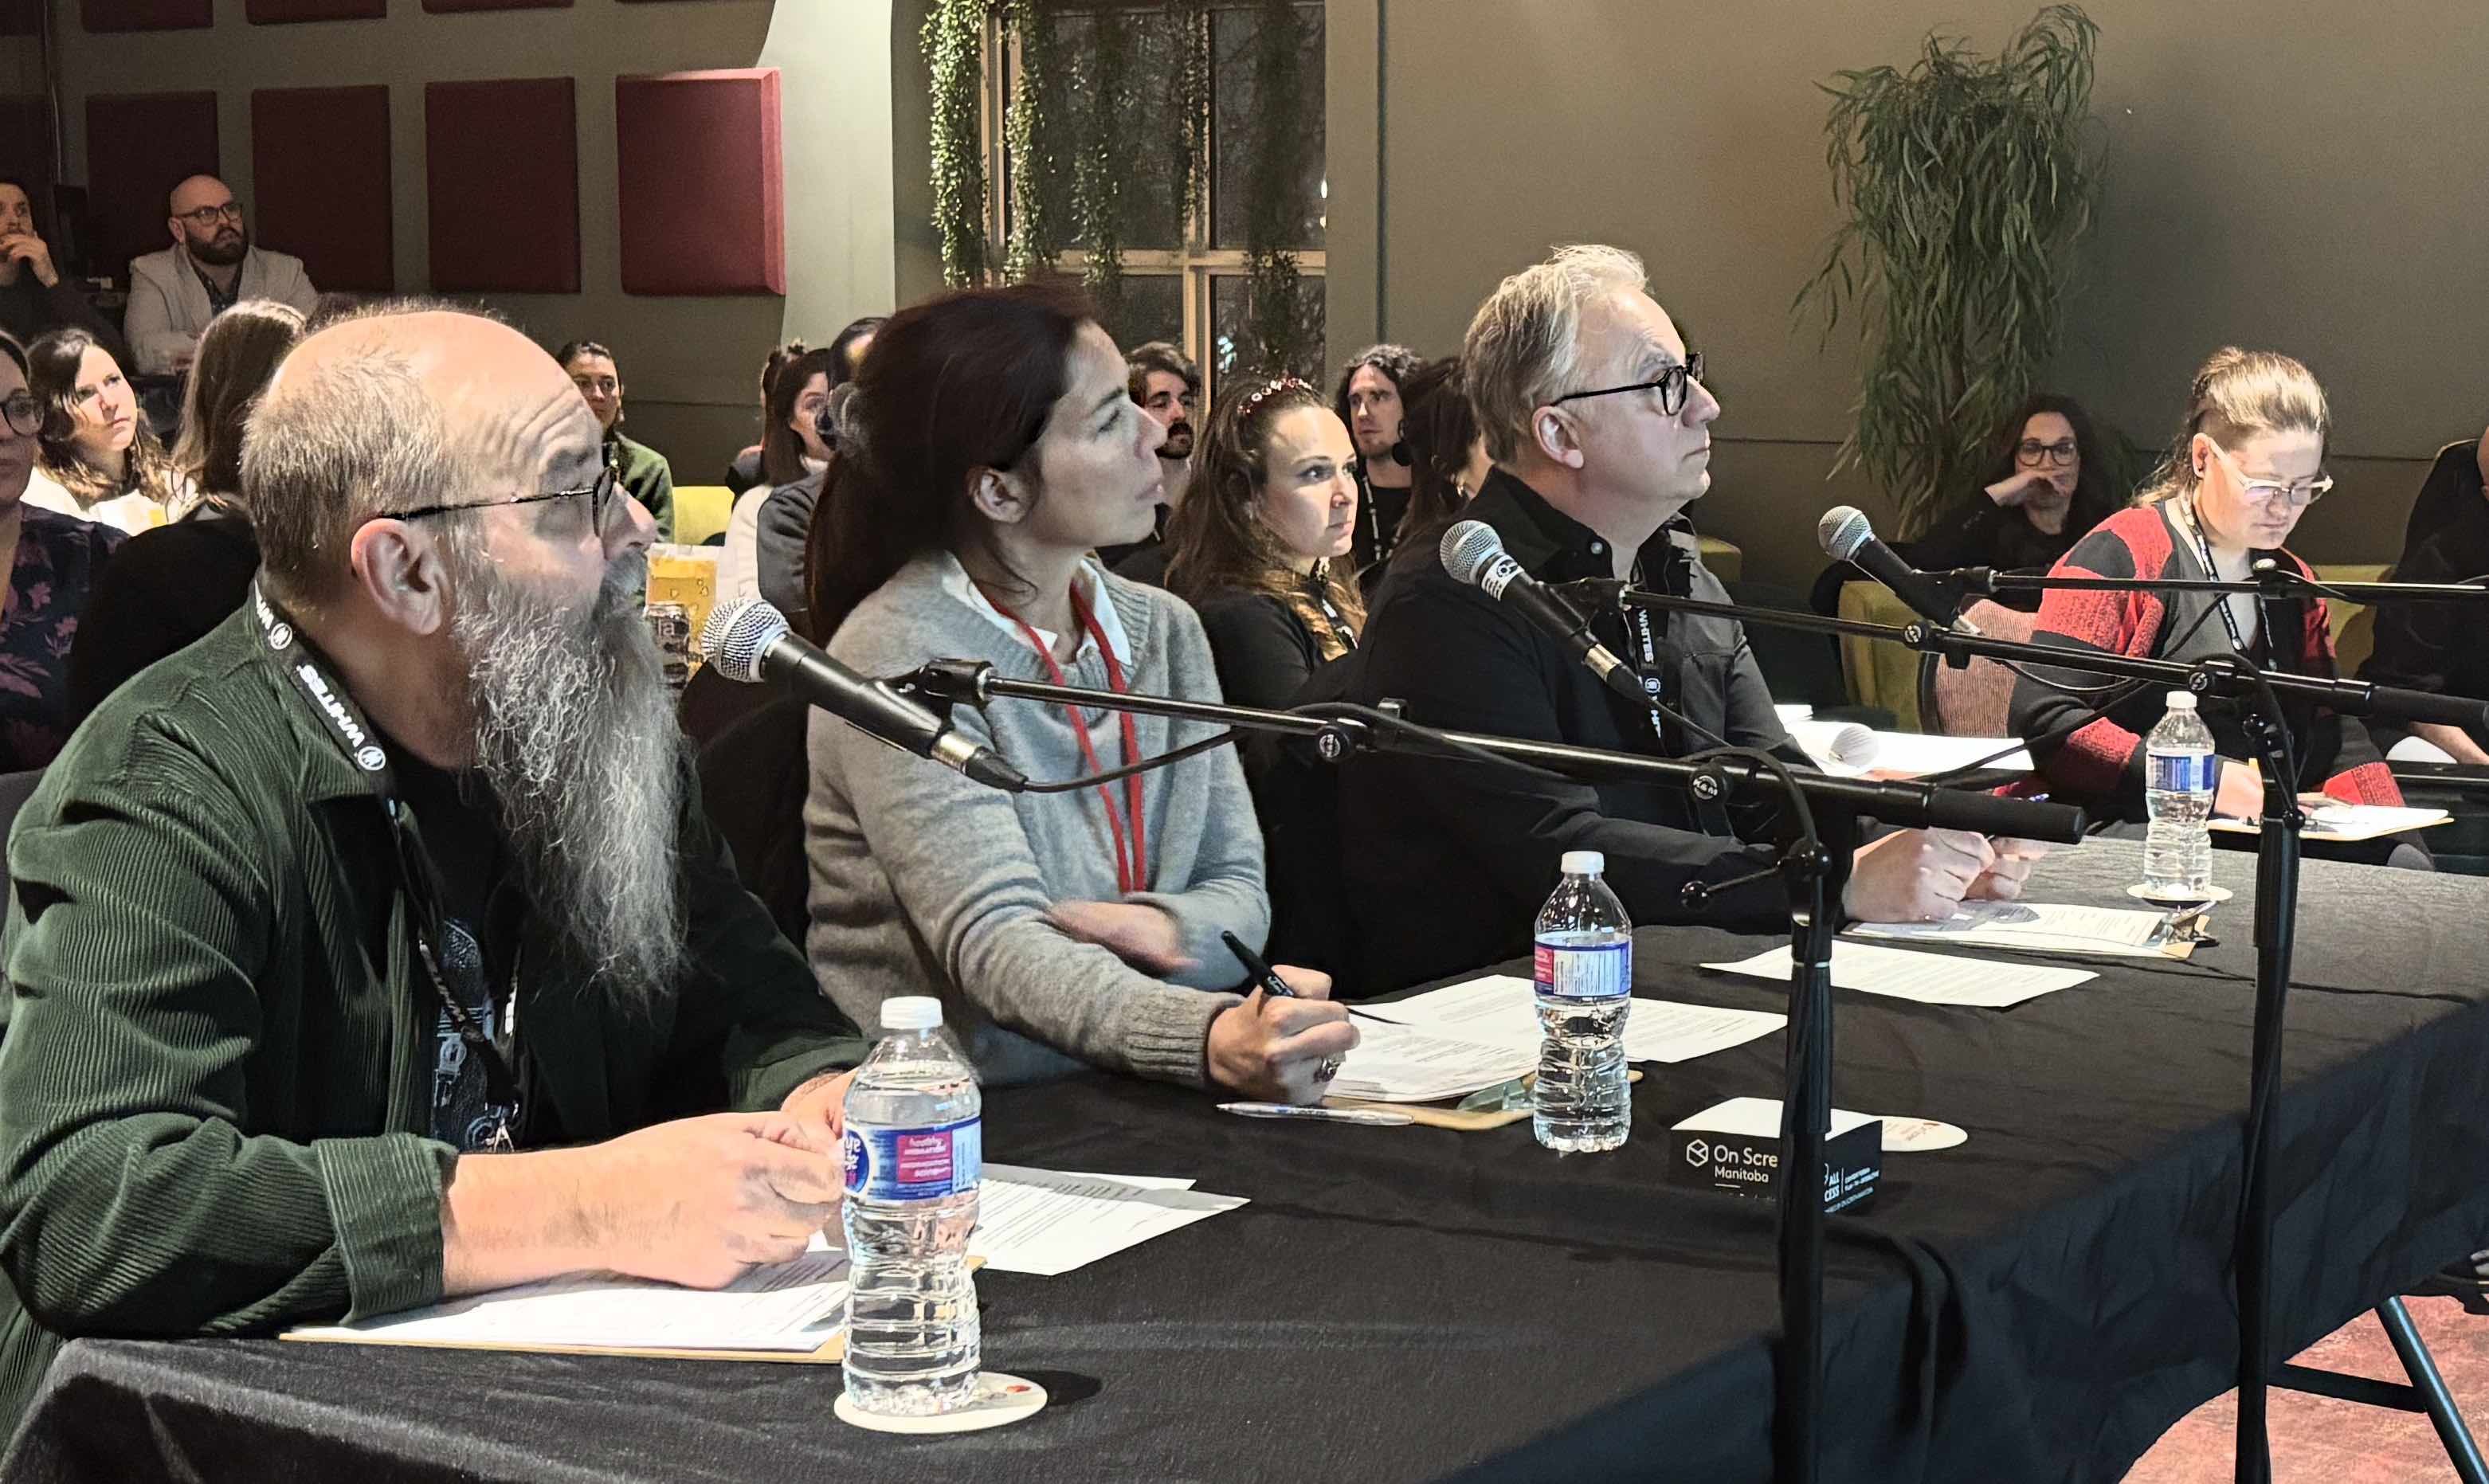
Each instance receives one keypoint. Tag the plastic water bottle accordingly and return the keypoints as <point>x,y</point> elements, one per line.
<point>2181,772</point>
<point>1585,972</point>
<point>914,1148</point>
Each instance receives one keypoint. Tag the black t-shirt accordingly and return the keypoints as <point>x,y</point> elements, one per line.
<point>460,833</point>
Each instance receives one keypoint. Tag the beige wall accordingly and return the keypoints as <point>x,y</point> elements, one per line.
<point>690,363</point>
<point>2295,174</point>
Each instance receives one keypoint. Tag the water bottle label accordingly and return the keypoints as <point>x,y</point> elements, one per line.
<point>914,1164</point>
<point>1601,971</point>
<point>2183,772</point>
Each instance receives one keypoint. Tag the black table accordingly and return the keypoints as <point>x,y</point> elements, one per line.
<point>1409,1303</point>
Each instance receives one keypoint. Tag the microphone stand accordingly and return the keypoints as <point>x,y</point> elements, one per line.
<point>1814,868</point>
<point>2278,859</point>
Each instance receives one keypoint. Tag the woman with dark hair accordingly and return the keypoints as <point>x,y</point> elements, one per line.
<point>1447,460</point>
<point>100,461</point>
<point>1272,507</point>
<point>988,448</point>
<point>783,525</point>
<point>793,450</point>
<point>643,471</point>
<point>167,587</point>
<point>2051,482</point>
<point>51,559</point>
<point>744,472</point>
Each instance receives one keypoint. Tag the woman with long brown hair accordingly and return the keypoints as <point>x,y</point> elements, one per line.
<point>1260,545</point>
<point>1447,462</point>
<point>167,587</point>
<point>100,461</point>
<point>989,447</point>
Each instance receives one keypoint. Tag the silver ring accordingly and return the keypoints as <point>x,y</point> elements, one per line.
<point>1329,1068</point>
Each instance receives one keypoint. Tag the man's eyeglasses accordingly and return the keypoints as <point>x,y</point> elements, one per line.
<point>1672,384</point>
<point>24,414</point>
<point>209,216</point>
<point>2264,492</point>
<point>600,500</point>
<point>2031,451</point>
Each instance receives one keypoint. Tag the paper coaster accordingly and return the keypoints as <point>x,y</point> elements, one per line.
<point>2210,895</point>
<point>1919,1135</point>
<point>999,1400</point>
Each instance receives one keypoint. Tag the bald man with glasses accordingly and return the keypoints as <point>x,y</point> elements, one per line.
<point>210,266</point>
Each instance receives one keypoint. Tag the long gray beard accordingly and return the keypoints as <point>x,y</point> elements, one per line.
<point>576,737</point>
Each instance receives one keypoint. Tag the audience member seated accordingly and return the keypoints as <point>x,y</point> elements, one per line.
<point>2051,482</point>
<point>210,266</point>
<point>2452,488</point>
<point>36,298</point>
<point>102,461</point>
<point>2437,647</point>
<point>792,448</point>
<point>2248,462</point>
<point>785,521</point>
<point>1259,548</point>
<point>1600,428</point>
<point>51,559</point>
<point>167,588</point>
<point>645,472</point>
<point>744,472</point>
<point>989,447</point>
<point>1369,402</point>
<point>1167,384</point>
<point>1447,461</point>
<point>240,963</point>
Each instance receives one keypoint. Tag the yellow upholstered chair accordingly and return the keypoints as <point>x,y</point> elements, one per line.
<point>701,511</point>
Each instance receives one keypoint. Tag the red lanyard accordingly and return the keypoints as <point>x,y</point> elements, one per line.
<point>1132,871</point>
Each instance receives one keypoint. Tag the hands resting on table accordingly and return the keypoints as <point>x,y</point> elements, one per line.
<point>1921,875</point>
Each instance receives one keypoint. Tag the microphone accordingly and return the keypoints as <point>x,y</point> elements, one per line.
<point>1845,535</point>
<point>750,642</point>
<point>1474,554</point>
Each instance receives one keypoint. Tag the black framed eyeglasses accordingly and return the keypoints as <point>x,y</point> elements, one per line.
<point>1672,384</point>
<point>24,413</point>
<point>209,216</point>
<point>2060,454</point>
<point>600,500</point>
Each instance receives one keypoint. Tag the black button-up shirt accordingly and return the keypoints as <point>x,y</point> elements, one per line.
<point>1447,864</point>
<point>2436,646</point>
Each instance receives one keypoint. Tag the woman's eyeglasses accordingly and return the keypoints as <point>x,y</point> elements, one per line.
<point>24,414</point>
<point>2059,454</point>
<point>2264,492</point>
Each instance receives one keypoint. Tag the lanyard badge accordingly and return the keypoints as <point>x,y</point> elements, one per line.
<point>292,654</point>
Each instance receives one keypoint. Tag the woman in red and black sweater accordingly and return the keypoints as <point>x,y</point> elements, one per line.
<point>2249,463</point>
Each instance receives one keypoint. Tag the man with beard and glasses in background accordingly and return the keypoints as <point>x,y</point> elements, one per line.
<point>1167,385</point>
<point>210,266</point>
<point>376,948</point>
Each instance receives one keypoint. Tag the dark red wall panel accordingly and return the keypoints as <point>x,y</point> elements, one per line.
<point>320,182</point>
<point>700,187</point>
<point>277,12</point>
<point>502,176</point>
<point>21,17</point>
<point>138,147</point>
<point>145,14</point>
<point>438,7</point>
<point>26,140</point>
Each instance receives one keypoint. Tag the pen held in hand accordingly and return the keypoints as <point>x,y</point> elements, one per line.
<point>1259,972</point>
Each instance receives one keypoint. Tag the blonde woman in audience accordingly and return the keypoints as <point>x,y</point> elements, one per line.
<point>100,461</point>
<point>51,560</point>
<point>988,448</point>
<point>1260,546</point>
<point>167,587</point>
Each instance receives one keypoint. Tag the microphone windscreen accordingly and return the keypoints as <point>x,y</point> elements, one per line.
<point>737,634</point>
<point>1467,548</point>
<point>1842,530</point>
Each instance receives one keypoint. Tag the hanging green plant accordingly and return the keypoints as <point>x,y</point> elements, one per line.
<point>1966,185</point>
<point>954,40</point>
<point>1190,19</point>
<point>1097,181</point>
<point>1274,215</point>
<point>1031,136</point>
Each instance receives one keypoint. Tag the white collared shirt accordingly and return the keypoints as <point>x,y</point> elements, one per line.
<point>1088,578</point>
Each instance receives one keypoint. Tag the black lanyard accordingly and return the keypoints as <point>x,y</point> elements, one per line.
<point>1319,592</point>
<point>294,656</point>
<point>2222,600</point>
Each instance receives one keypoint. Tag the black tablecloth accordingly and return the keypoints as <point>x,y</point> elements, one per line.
<point>1411,1303</point>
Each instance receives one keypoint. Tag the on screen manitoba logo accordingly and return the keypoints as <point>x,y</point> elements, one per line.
<point>1698,1153</point>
